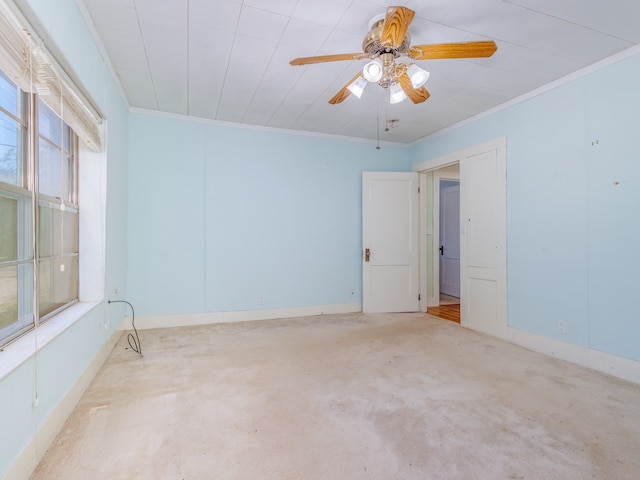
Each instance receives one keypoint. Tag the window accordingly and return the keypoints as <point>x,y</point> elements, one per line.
<point>57,214</point>
<point>43,116</point>
<point>38,246</point>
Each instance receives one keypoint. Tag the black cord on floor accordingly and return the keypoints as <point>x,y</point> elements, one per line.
<point>134,342</point>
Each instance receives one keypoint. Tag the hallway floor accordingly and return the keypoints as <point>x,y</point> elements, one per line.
<point>449,308</point>
<point>402,396</point>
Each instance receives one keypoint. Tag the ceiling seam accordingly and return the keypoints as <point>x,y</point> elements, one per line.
<point>267,67</point>
<point>226,70</point>
<point>510,2</point>
<point>146,55</point>
<point>326,90</point>
<point>93,29</point>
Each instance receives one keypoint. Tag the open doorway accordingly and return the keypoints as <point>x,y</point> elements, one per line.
<point>449,242</point>
<point>449,250</point>
<point>481,173</point>
<point>446,238</point>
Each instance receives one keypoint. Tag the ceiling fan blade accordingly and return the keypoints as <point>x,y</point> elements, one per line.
<point>416,95</point>
<point>438,51</point>
<point>328,58</point>
<point>344,92</point>
<point>395,27</point>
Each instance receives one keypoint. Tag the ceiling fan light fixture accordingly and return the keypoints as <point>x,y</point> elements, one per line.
<point>357,87</point>
<point>396,94</point>
<point>385,44</point>
<point>373,70</point>
<point>417,75</point>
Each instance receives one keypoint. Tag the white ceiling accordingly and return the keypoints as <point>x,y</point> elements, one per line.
<point>228,60</point>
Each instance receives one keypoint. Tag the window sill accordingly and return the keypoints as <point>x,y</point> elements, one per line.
<point>24,348</point>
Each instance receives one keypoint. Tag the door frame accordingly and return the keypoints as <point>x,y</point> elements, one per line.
<point>432,165</point>
<point>442,173</point>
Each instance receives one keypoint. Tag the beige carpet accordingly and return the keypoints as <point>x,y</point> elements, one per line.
<point>403,396</point>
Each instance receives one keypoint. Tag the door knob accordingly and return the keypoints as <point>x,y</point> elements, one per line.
<point>367,254</point>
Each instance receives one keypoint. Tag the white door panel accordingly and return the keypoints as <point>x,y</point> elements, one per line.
<point>482,273</point>
<point>481,302</point>
<point>481,214</point>
<point>390,235</point>
<point>483,239</point>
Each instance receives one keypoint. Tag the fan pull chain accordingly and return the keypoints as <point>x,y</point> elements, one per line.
<point>386,117</point>
<point>378,125</point>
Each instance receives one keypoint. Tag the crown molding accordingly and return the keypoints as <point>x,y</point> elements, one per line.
<point>588,70</point>
<point>261,128</point>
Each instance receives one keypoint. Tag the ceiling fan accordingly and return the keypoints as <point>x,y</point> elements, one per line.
<point>388,40</point>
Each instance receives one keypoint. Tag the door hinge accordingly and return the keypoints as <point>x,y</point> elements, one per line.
<point>418,190</point>
<point>418,297</point>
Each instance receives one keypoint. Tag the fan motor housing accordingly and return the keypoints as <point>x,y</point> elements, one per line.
<point>372,45</point>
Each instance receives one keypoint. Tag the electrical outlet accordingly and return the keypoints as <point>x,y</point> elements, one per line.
<point>562,327</point>
<point>260,300</point>
<point>116,290</point>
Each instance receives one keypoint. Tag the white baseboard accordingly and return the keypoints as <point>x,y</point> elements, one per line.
<point>620,367</point>
<point>192,319</point>
<point>28,460</point>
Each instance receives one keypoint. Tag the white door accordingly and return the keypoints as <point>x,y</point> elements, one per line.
<point>450,240</point>
<point>390,276</point>
<point>483,236</point>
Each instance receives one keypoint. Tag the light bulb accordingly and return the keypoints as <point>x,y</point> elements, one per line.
<point>373,70</point>
<point>396,94</point>
<point>357,87</point>
<point>417,75</point>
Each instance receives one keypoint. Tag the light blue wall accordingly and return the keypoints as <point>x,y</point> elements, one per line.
<point>571,231</point>
<point>222,216</point>
<point>61,363</point>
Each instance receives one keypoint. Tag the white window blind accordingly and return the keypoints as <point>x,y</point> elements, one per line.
<point>24,58</point>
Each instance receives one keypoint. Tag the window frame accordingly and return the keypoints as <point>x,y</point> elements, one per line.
<point>28,196</point>
<point>24,105</point>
